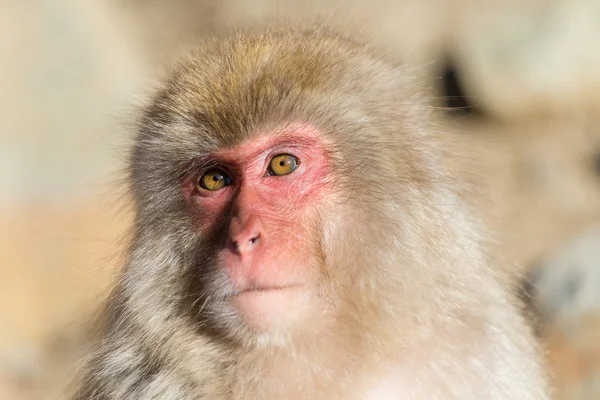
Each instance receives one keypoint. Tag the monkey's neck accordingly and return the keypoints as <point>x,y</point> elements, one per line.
<point>325,366</point>
<point>277,374</point>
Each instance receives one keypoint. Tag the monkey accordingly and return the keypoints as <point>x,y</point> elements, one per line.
<point>296,236</point>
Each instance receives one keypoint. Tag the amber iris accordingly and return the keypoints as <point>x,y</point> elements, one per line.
<point>214,180</point>
<point>283,164</point>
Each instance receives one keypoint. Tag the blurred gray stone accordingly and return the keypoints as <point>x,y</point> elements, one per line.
<point>521,58</point>
<point>567,284</point>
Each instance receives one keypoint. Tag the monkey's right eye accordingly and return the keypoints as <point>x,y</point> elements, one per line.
<point>214,179</point>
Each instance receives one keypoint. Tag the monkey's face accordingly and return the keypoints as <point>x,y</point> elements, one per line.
<point>261,201</point>
<point>272,189</point>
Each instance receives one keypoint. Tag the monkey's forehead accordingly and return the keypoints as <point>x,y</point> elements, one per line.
<point>233,86</point>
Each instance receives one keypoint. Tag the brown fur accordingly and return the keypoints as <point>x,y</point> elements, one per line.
<point>416,310</point>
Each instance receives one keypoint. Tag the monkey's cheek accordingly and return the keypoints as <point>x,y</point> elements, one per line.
<point>273,309</point>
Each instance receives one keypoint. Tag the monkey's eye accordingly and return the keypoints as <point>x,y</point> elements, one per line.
<point>283,164</point>
<point>214,179</point>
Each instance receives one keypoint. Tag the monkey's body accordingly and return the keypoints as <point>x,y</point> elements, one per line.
<point>350,271</point>
<point>429,372</point>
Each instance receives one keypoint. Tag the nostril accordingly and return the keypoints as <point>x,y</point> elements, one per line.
<point>253,241</point>
<point>246,245</point>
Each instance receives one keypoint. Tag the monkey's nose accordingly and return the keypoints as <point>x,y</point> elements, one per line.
<point>246,245</point>
<point>246,237</point>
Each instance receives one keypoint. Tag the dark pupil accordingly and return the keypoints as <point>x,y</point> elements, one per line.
<point>217,178</point>
<point>282,163</point>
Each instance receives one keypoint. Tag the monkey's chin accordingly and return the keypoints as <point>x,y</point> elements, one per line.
<point>272,309</point>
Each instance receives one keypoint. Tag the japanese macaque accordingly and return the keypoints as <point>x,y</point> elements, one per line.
<point>297,237</point>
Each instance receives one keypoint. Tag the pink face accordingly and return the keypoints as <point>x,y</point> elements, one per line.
<point>269,188</point>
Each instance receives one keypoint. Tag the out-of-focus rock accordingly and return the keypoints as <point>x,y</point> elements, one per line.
<point>567,282</point>
<point>67,74</point>
<point>535,57</point>
<point>566,295</point>
<point>537,183</point>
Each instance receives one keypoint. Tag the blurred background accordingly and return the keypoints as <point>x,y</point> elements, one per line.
<point>519,82</point>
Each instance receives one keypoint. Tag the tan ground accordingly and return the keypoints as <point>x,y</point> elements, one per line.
<point>57,264</point>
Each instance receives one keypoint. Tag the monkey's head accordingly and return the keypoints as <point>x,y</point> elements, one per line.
<point>284,182</point>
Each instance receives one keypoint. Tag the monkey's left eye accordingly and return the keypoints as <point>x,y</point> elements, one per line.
<point>283,164</point>
<point>214,180</point>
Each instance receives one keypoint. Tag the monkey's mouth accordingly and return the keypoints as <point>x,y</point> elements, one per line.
<point>268,307</point>
<point>265,289</point>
